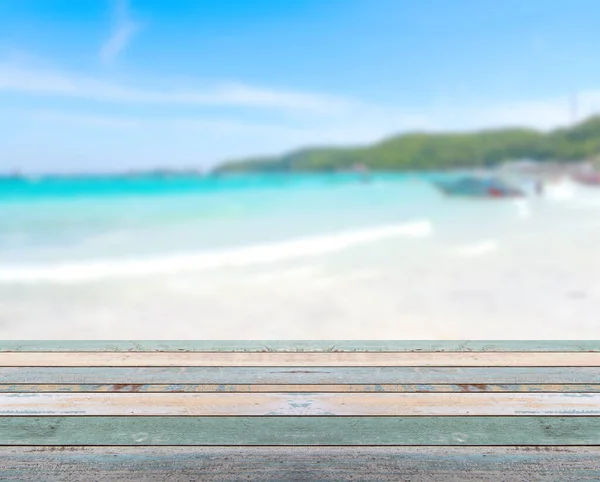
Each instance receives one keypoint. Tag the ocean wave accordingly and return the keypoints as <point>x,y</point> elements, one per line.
<point>243,256</point>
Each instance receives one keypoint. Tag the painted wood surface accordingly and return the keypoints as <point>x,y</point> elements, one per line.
<point>300,375</point>
<point>294,431</point>
<point>300,404</point>
<point>340,464</point>
<point>341,388</point>
<point>219,359</point>
<point>287,393</point>
<point>300,345</point>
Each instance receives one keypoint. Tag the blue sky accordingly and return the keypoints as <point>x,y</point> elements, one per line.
<point>104,85</point>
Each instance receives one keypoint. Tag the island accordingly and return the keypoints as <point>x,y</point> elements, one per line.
<point>437,151</point>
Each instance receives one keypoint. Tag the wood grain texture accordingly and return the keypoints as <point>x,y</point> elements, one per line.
<point>281,431</point>
<point>341,388</point>
<point>287,393</point>
<point>218,359</point>
<point>300,375</point>
<point>300,404</point>
<point>340,464</point>
<point>300,345</point>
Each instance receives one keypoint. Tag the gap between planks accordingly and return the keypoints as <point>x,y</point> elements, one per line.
<point>300,404</point>
<point>218,359</point>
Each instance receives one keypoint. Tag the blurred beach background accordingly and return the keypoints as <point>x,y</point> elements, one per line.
<point>157,179</point>
<point>294,257</point>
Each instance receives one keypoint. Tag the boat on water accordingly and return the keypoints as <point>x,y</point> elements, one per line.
<point>489,187</point>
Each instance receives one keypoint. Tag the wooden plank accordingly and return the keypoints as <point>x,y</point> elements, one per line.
<point>300,345</point>
<point>300,404</point>
<point>300,431</point>
<point>340,464</point>
<point>341,388</point>
<point>520,359</point>
<point>304,375</point>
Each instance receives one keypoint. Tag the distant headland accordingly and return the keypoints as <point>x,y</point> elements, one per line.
<point>443,151</point>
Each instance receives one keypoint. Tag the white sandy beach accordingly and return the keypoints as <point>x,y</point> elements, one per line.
<point>538,280</point>
<point>523,269</point>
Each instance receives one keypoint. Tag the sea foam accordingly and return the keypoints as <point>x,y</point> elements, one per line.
<point>243,256</point>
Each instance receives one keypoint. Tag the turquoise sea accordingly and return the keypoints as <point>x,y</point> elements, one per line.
<point>293,256</point>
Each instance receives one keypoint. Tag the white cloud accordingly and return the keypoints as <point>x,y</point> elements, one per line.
<point>186,136</point>
<point>30,79</point>
<point>55,83</point>
<point>360,123</point>
<point>542,113</point>
<point>123,31</point>
<point>78,119</point>
<point>61,139</point>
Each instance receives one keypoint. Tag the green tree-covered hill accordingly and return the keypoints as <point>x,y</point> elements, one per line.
<point>438,151</point>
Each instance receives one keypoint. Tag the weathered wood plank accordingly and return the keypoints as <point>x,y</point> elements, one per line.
<point>300,431</point>
<point>517,359</point>
<point>341,388</point>
<point>300,404</point>
<point>300,375</point>
<point>300,345</point>
<point>340,464</point>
